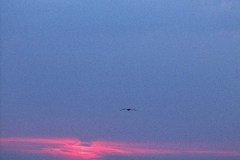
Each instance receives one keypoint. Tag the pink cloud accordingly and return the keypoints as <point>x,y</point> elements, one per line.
<point>74,148</point>
<point>226,4</point>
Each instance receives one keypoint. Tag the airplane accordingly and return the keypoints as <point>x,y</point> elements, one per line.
<point>128,109</point>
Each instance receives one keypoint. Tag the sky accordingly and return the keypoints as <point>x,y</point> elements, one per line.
<point>68,68</point>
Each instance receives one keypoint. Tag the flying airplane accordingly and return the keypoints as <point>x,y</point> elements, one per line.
<point>128,109</point>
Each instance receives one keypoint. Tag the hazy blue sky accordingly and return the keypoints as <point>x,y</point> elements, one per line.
<point>68,67</point>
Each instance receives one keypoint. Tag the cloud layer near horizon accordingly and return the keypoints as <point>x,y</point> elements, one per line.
<point>74,148</point>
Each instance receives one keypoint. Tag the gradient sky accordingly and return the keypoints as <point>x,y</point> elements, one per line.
<point>68,67</point>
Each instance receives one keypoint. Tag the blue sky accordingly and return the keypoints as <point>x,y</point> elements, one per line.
<point>68,67</point>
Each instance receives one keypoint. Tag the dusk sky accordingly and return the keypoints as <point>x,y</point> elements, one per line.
<point>69,66</point>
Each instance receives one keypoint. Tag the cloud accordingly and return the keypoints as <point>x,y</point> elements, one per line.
<point>74,148</point>
<point>235,34</point>
<point>226,4</point>
<point>230,5</point>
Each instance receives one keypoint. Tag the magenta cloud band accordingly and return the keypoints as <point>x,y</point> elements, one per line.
<point>75,148</point>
